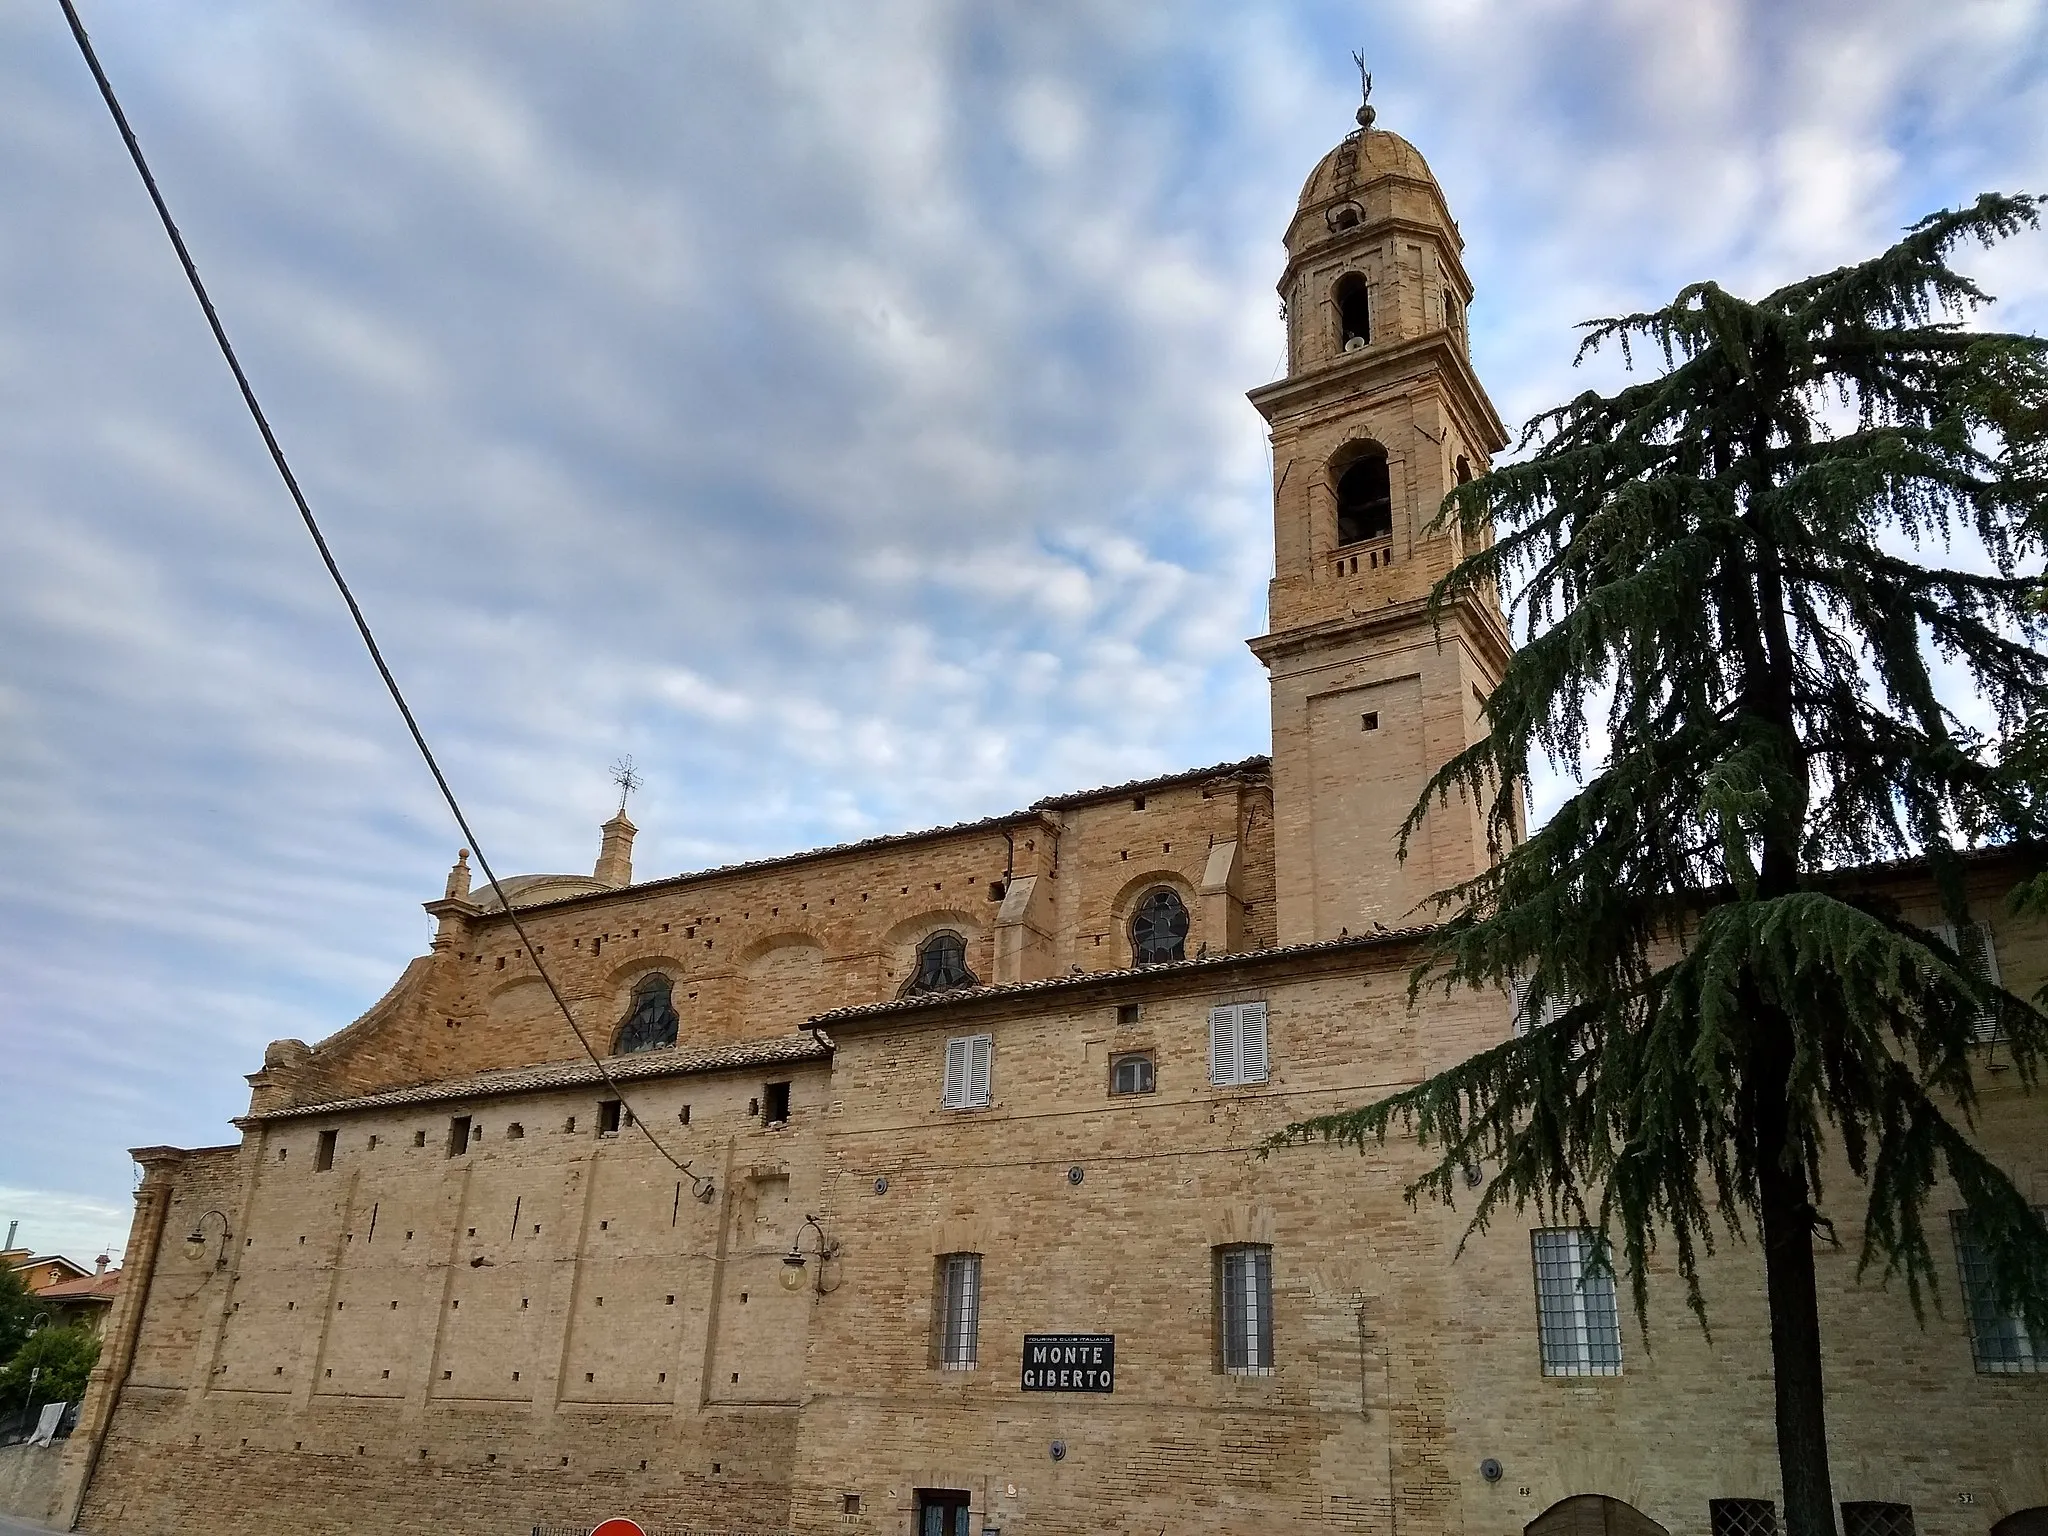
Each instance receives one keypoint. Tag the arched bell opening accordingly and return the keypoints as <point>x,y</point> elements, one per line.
<point>1365,497</point>
<point>1354,312</point>
<point>1593,1514</point>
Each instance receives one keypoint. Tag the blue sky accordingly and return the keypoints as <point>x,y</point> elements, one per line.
<point>839,407</point>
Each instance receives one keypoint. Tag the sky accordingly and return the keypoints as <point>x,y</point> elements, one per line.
<point>838,407</point>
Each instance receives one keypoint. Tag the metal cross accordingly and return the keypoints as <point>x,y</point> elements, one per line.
<point>627,780</point>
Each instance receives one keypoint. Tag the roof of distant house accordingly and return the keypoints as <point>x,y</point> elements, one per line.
<point>86,1288</point>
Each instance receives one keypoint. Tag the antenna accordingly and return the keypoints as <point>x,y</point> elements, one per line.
<point>627,780</point>
<point>1366,114</point>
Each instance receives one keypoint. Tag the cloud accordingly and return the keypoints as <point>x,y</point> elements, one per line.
<point>839,407</point>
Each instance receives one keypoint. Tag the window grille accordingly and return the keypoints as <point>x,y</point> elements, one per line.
<point>941,965</point>
<point>969,1059</point>
<point>1237,1044</point>
<point>1159,928</point>
<point>650,1022</point>
<point>1871,1518</point>
<point>1973,946</point>
<point>959,1312</point>
<point>1999,1341</point>
<point>1245,1297</point>
<point>1743,1517</point>
<point>1578,1320</point>
<point>1131,1074</point>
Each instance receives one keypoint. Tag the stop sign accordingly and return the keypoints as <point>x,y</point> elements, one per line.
<point>618,1525</point>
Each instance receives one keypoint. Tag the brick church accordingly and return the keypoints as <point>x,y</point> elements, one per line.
<point>918,1193</point>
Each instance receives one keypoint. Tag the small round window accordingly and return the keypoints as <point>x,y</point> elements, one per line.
<point>1159,928</point>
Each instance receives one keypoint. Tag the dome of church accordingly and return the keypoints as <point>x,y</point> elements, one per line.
<point>1363,157</point>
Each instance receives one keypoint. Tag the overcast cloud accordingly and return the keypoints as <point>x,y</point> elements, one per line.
<point>837,407</point>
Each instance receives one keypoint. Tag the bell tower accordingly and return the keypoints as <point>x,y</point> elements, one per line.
<point>1380,414</point>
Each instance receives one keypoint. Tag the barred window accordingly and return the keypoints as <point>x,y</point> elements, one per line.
<point>1244,1295</point>
<point>1871,1518</point>
<point>1578,1321</point>
<point>1743,1517</point>
<point>956,1320</point>
<point>1999,1340</point>
<point>1159,928</point>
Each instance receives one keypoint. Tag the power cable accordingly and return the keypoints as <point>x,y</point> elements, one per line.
<point>284,469</point>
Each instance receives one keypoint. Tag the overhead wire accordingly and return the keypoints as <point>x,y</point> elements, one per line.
<point>698,1183</point>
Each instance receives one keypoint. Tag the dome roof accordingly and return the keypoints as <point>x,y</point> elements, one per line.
<point>1364,156</point>
<point>532,890</point>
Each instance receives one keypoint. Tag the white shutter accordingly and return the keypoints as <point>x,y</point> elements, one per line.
<point>954,1094</point>
<point>1518,1001</point>
<point>1980,959</point>
<point>1223,1044</point>
<point>980,1054</point>
<point>1251,1037</point>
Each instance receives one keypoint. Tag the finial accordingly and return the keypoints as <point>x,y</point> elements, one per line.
<point>1366,114</point>
<point>457,888</point>
<point>627,780</point>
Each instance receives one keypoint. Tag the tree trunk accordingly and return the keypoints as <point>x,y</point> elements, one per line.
<point>1787,1220</point>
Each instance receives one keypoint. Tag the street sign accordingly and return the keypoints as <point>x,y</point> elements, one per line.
<point>1069,1362</point>
<point>618,1525</point>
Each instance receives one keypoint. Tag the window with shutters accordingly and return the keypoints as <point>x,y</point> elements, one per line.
<point>1578,1318</point>
<point>956,1312</point>
<point>1973,946</point>
<point>1244,1309</point>
<point>1237,1044</point>
<point>1999,1340</point>
<point>1527,1014</point>
<point>969,1059</point>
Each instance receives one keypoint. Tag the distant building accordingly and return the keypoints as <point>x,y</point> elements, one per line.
<point>970,1233</point>
<point>66,1290</point>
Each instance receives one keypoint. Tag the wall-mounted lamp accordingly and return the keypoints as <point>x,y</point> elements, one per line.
<point>795,1262</point>
<point>195,1244</point>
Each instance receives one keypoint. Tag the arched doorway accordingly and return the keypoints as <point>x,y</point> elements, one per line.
<point>2024,1522</point>
<point>1593,1514</point>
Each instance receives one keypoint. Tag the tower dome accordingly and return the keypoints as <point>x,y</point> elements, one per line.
<point>1369,155</point>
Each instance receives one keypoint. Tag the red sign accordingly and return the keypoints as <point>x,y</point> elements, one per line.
<point>618,1525</point>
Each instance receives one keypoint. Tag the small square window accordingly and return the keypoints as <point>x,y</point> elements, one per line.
<point>1127,1013</point>
<point>458,1135</point>
<point>323,1154</point>
<point>849,1503</point>
<point>1369,721</point>
<point>419,1138</point>
<point>1130,1073</point>
<point>775,1104</point>
<point>608,1117</point>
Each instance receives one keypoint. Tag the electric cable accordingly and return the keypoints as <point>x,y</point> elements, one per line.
<point>362,624</point>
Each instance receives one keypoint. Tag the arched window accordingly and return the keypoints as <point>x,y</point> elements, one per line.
<point>1592,1514</point>
<point>941,965</point>
<point>1354,312</point>
<point>1464,470</point>
<point>650,1021</point>
<point>1159,928</point>
<point>1365,501</point>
